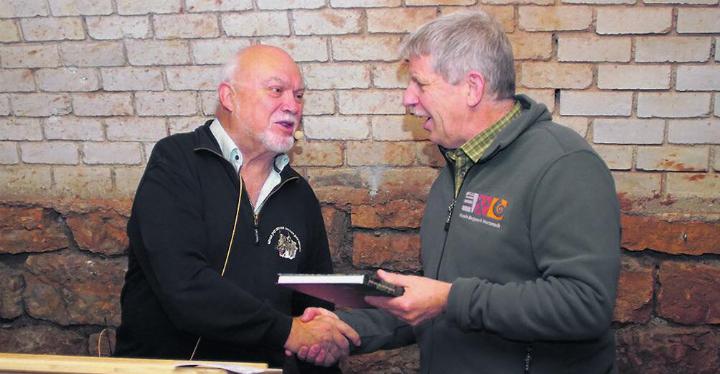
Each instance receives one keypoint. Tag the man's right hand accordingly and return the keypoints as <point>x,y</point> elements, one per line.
<point>325,335</point>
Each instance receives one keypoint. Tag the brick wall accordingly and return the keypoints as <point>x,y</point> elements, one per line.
<point>87,88</point>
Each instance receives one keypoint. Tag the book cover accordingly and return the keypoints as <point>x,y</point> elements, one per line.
<point>343,290</point>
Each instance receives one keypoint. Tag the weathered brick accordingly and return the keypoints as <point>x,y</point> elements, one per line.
<point>560,18</point>
<point>698,20</point>
<point>677,236</point>
<point>256,23</point>
<point>365,48</point>
<point>707,2</point>
<point>370,102</point>
<point>380,153</point>
<point>101,231</point>
<point>166,103</point>
<point>8,31</point>
<point>136,129</point>
<point>402,214</point>
<point>661,348</point>
<point>634,301</point>
<point>389,75</point>
<point>689,292</point>
<point>148,6</point>
<point>503,14</point>
<point>4,105</point>
<point>698,78</point>
<point>439,2</point>
<point>673,158</point>
<point>127,180</point>
<point>673,105</point>
<point>40,104</point>
<point>49,153</point>
<point>11,290</point>
<point>102,104</point>
<point>117,27</point>
<point>25,180</point>
<point>337,231</point>
<point>701,131</point>
<point>175,26</point>
<point>585,48</point>
<point>633,20</point>
<point>13,128</point>
<point>209,102</point>
<point>216,51</point>
<point>302,48</point>
<point>16,80</point>
<point>584,103</point>
<point>22,8</point>
<point>314,153</point>
<point>157,52</point>
<point>290,4</point>
<point>73,288</point>
<point>628,131</point>
<point>672,49</point>
<point>387,250</point>
<point>716,151</point>
<point>428,154</point>
<point>398,19</point>
<point>617,157</point>
<point>386,184</point>
<point>31,230</point>
<point>327,22</point>
<point>717,105</point>
<point>633,77</point>
<point>182,124</point>
<point>336,127</point>
<point>521,2</point>
<point>92,53</point>
<point>46,339</point>
<point>29,56</point>
<point>82,182</point>
<point>80,7</point>
<point>337,185</point>
<point>577,124</point>
<point>319,102</point>
<point>73,128</point>
<point>132,79</point>
<point>193,77</point>
<point>214,5</point>
<point>396,128</point>
<point>65,28</point>
<point>111,153</point>
<point>67,79</point>
<point>531,46</point>
<point>599,2</point>
<point>693,185</point>
<point>364,3</point>
<point>8,155</point>
<point>335,76</point>
<point>148,148</point>
<point>637,185</point>
<point>556,75</point>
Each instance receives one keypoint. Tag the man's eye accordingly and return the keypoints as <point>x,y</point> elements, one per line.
<point>299,95</point>
<point>276,90</point>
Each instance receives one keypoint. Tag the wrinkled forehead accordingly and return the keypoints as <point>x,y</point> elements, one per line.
<point>269,65</point>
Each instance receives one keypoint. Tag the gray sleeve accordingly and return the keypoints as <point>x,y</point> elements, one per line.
<point>574,226</point>
<point>378,329</point>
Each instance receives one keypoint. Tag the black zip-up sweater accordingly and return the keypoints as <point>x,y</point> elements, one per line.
<point>179,230</point>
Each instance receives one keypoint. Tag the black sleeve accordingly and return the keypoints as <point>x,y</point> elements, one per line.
<point>197,300</point>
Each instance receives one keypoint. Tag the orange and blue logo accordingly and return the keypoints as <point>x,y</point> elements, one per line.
<point>483,207</point>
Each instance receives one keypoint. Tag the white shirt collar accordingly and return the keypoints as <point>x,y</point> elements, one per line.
<point>231,152</point>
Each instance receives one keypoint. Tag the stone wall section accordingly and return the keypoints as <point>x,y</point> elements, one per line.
<point>88,87</point>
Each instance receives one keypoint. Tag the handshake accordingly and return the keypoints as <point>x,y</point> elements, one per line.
<point>320,337</point>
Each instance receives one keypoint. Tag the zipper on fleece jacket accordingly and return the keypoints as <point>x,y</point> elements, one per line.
<point>528,359</point>
<point>256,216</point>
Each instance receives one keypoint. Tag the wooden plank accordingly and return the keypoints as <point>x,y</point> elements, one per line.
<point>31,363</point>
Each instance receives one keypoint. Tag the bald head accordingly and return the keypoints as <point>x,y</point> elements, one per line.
<point>256,56</point>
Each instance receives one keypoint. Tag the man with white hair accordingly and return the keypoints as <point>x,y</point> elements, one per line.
<point>217,215</point>
<point>520,239</point>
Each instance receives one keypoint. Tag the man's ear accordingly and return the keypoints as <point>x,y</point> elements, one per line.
<point>226,95</point>
<point>476,87</point>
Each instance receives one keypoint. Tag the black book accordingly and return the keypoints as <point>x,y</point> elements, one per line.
<point>343,290</point>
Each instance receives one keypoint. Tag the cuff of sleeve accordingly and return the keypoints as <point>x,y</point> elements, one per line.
<point>459,298</point>
<point>278,333</point>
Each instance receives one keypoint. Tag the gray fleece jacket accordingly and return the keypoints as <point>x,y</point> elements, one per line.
<point>531,246</point>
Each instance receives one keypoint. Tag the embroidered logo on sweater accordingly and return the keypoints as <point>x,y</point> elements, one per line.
<point>486,209</point>
<point>285,241</point>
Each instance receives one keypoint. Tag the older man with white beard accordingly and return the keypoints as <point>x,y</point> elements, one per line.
<point>217,215</point>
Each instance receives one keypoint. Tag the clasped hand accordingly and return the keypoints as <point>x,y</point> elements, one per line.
<point>328,336</point>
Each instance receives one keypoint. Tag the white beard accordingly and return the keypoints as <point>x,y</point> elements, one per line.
<point>276,143</point>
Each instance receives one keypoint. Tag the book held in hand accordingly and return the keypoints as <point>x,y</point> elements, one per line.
<point>343,290</point>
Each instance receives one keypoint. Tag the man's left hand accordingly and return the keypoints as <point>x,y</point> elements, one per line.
<point>424,298</point>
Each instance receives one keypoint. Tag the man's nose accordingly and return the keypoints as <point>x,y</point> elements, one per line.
<point>291,103</point>
<point>409,97</point>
